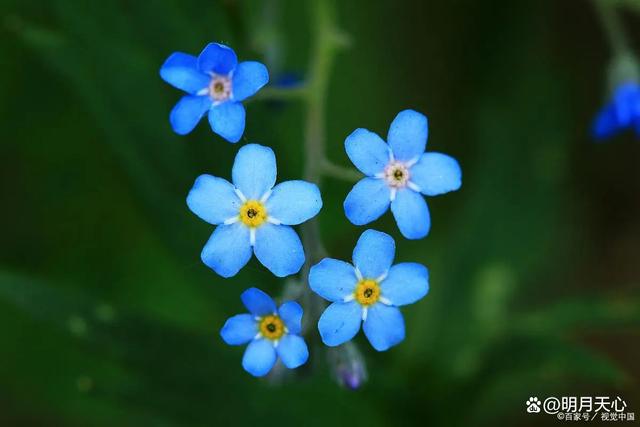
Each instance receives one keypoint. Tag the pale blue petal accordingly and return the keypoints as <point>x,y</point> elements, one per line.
<point>254,170</point>
<point>294,202</point>
<point>291,314</point>
<point>384,326</point>
<point>228,249</point>
<point>257,302</point>
<point>259,357</point>
<point>367,201</point>
<point>227,120</point>
<point>408,135</point>
<point>340,322</point>
<point>333,279</point>
<point>436,173</point>
<point>279,248</point>
<point>213,199</point>
<point>367,151</point>
<point>411,213</point>
<point>406,283</point>
<point>187,113</point>
<point>248,78</point>
<point>374,253</point>
<point>181,71</point>
<point>293,351</point>
<point>217,58</point>
<point>239,329</point>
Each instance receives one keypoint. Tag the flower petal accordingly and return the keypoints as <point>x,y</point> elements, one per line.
<point>228,249</point>
<point>227,120</point>
<point>367,201</point>
<point>181,71</point>
<point>436,173</point>
<point>259,357</point>
<point>340,322</point>
<point>406,283</point>
<point>213,199</point>
<point>384,326</point>
<point>278,248</point>
<point>187,113</point>
<point>408,135</point>
<point>254,170</point>
<point>606,123</point>
<point>293,351</point>
<point>248,78</point>
<point>291,314</point>
<point>239,329</point>
<point>333,279</point>
<point>411,213</point>
<point>294,202</point>
<point>257,302</point>
<point>373,254</point>
<point>217,58</point>
<point>367,151</point>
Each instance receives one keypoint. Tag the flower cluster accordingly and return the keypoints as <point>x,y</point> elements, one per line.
<point>253,215</point>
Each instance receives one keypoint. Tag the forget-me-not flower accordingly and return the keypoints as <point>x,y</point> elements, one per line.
<point>253,216</point>
<point>397,173</point>
<point>216,83</point>
<point>271,332</point>
<point>369,291</point>
<point>621,113</point>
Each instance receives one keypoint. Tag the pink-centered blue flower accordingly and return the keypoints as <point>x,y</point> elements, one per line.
<point>216,84</point>
<point>252,215</point>
<point>269,331</point>
<point>398,174</point>
<point>367,292</point>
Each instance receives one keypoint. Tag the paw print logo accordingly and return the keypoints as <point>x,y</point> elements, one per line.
<point>533,405</point>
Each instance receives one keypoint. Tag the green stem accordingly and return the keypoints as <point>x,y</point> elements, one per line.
<point>271,93</point>
<point>340,172</point>
<point>612,27</point>
<point>321,60</point>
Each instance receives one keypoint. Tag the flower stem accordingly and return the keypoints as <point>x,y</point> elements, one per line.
<point>320,63</point>
<point>271,93</point>
<point>612,27</point>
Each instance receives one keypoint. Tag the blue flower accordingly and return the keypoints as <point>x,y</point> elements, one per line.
<point>621,113</point>
<point>397,173</point>
<point>270,332</point>
<point>215,83</point>
<point>371,292</point>
<point>252,215</point>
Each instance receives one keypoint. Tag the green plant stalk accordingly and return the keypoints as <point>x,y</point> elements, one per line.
<point>320,62</point>
<point>612,27</point>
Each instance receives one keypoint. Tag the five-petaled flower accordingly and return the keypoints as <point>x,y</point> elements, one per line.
<point>397,173</point>
<point>252,215</point>
<point>215,82</point>
<point>621,113</point>
<point>270,332</point>
<point>371,292</point>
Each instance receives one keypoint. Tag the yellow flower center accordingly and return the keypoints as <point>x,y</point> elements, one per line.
<point>367,292</point>
<point>271,327</point>
<point>396,174</point>
<point>220,88</point>
<point>253,213</point>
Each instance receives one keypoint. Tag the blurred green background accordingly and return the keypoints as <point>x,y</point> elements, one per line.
<point>107,315</point>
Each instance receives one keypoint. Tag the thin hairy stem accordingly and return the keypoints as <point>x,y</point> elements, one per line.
<point>323,52</point>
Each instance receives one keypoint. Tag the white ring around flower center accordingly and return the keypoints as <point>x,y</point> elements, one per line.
<point>396,174</point>
<point>220,88</point>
